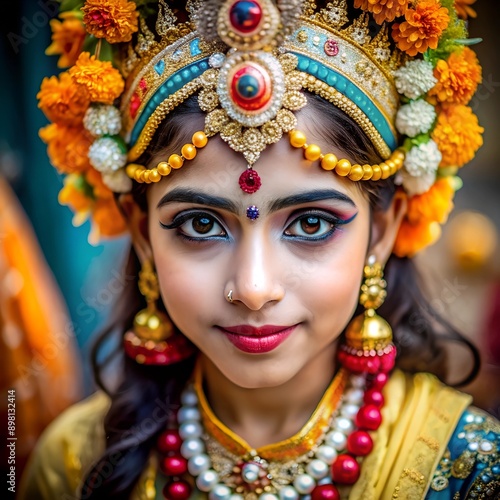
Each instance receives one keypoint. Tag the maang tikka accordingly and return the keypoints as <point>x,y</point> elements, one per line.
<point>368,346</point>
<point>153,339</point>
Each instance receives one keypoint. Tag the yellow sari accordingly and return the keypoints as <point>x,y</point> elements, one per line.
<point>407,462</point>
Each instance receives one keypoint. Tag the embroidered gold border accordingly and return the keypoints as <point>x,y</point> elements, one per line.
<point>289,449</point>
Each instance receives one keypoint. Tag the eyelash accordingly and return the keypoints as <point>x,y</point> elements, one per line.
<point>322,216</point>
<point>182,218</point>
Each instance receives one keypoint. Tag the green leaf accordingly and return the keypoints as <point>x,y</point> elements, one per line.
<point>70,5</point>
<point>468,41</point>
<point>84,187</point>
<point>106,52</point>
<point>447,171</point>
<point>420,139</point>
<point>89,44</point>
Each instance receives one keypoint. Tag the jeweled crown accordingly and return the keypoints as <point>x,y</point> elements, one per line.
<point>401,69</point>
<point>276,51</point>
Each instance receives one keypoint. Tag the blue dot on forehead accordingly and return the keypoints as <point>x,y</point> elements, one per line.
<point>252,212</point>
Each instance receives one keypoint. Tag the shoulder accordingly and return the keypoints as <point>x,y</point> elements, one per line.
<point>65,450</point>
<point>425,429</point>
<point>470,466</point>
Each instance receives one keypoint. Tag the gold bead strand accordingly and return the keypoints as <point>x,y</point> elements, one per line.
<point>343,167</point>
<point>175,161</point>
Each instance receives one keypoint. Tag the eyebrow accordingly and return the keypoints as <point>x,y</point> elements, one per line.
<point>183,195</point>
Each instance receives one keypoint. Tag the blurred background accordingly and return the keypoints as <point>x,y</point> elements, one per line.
<point>45,260</point>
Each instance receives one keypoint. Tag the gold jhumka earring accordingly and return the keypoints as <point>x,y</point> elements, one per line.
<point>153,339</point>
<point>368,346</point>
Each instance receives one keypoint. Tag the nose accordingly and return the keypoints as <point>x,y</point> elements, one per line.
<point>256,272</point>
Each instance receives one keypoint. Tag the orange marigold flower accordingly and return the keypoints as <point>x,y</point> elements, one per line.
<point>422,28</point>
<point>458,135</point>
<point>62,101</point>
<point>103,82</point>
<point>67,39</point>
<point>94,178</point>
<point>114,20</point>
<point>464,10</point>
<point>458,77</point>
<point>383,10</point>
<point>412,238</point>
<point>433,205</point>
<point>108,218</point>
<point>73,195</point>
<point>67,147</point>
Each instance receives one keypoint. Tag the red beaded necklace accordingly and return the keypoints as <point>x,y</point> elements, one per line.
<point>332,462</point>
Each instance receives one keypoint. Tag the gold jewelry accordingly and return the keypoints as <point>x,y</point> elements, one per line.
<point>153,340</point>
<point>343,167</point>
<point>175,161</point>
<point>368,344</point>
<point>229,296</point>
<point>284,451</point>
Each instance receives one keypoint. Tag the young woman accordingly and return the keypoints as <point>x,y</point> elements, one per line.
<point>277,288</point>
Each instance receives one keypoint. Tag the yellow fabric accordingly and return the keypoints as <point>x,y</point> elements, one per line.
<point>65,451</point>
<point>420,415</point>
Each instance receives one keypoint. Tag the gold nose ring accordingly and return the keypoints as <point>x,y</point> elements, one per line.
<point>229,296</point>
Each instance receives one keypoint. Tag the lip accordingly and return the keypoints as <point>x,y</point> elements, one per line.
<point>257,340</point>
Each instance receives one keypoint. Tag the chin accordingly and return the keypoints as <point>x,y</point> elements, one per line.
<point>255,373</point>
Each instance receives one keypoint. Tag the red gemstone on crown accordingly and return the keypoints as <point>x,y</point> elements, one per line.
<point>143,85</point>
<point>331,47</point>
<point>245,16</point>
<point>135,103</point>
<point>251,87</point>
<point>250,181</point>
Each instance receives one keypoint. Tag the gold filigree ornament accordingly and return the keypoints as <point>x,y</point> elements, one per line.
<point>253,61</point>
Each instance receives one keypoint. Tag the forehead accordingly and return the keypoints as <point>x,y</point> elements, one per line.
<point>282,169</point>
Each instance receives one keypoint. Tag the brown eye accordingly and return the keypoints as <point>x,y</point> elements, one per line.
<point>203,224</point>
<point>310,224</point>
<point>312,227</point>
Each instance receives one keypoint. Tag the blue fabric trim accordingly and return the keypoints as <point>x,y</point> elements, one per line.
<point>472,429</point>
<point>178,79</point>
<point>352,92</point>
<point>175,82</point>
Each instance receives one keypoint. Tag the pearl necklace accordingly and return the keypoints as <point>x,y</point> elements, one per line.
<point>331,462</point>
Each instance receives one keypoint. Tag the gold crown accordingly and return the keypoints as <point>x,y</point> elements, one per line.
<point>401,69</point>
<point>337,58</point>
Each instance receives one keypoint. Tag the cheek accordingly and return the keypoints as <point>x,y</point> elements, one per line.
<point>190,287</point>
<point>330,282</point>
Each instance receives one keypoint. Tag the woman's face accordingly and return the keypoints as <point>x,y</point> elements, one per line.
<point>295,270</point>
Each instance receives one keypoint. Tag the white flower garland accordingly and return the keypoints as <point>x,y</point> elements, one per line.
<point>420,167</point>
<point>416,117</point>
<point>415,78</point>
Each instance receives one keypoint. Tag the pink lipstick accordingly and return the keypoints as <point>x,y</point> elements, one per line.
<point>257,340</point>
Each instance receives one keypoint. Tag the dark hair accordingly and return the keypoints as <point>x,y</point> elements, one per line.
<point>130,424</point>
